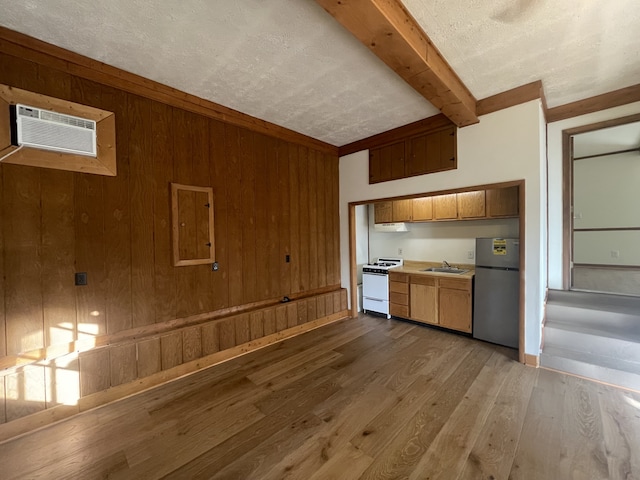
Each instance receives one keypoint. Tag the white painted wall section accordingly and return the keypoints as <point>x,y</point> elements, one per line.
<point>506,145</point>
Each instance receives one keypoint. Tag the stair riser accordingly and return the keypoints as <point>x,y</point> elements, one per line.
<point>592,318</point>
<point>592,344</point>
<point>603,374</point>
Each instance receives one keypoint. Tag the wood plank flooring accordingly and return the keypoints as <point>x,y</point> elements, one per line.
<point>366,398</point>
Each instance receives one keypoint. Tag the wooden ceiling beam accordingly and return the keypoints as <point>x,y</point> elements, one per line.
<point>392,34</point>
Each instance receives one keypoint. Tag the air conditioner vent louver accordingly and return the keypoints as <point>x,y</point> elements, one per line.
<point>55,131</point>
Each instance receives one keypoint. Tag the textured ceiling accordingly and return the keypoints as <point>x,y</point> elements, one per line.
<point>290,63</point>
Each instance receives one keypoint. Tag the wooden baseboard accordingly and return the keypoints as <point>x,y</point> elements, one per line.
<point>531,360</point>
<point>44,418</point>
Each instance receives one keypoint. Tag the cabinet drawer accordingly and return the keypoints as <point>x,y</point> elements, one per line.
<point>398,277</point>
<point>399,298</point>
<point>456,283</point>
<point>399,310</point>
<point>399,287</point>
<point>423,280</point>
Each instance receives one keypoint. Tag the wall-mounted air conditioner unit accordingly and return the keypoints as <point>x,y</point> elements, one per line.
<point>39,128</point>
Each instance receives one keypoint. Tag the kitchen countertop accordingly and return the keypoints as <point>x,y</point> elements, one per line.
<point>415,268</point>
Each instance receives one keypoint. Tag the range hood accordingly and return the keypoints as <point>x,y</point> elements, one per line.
<point>391,227</point>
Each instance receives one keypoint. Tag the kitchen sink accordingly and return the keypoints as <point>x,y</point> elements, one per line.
<point>453,270</point>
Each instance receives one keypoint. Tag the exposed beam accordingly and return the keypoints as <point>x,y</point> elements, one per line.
<point>389,31</point>
<point>594,104</point>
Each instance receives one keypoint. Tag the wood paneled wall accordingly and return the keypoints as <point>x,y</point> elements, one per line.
<point>272,198</point>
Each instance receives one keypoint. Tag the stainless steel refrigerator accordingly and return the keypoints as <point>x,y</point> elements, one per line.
<point>497,291</point>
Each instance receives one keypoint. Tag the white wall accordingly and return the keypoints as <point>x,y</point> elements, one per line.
<point>505,145</point>
<point>362,238</point>
<point>438,241</point>
<point>554,158</point>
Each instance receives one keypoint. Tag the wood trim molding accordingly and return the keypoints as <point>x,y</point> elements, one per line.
<point>531,360</point>
<point>353,266</point>
<point>393,35</point>
<point>594,104</point>
<point>429,124</point>
<point>34,50</point>
<point>103,164</point>
<point>510,98</point>
<point>47,417</point>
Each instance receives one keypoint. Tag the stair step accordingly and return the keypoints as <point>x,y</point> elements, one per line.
<point>617,372</point>
<point>590,340</point>
<point>625,304</point>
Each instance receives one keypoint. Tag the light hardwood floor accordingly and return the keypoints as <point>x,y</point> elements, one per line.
<point>365,398</point>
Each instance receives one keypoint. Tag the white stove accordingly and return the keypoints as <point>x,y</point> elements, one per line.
<point>375,285</point>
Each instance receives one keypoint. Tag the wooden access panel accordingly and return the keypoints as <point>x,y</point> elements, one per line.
<point>192,225</point>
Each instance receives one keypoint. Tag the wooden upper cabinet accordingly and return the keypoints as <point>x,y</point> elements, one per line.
<point>387,163</point>
<point>383,212</point>
<point>429,152</point>
<point>503,202</point>
<point>445,207</point>
<point>422,209</point>
<point>471,204</point>
<point>402,210</point>
<point>192,225</point>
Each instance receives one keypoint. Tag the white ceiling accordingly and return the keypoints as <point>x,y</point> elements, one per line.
<point>290,63</point>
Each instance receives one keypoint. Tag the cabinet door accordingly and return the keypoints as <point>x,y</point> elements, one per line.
<point>503,202</point>
<point>445,207</point>
<point>383,212</point>
<point>441,150</point>
<point>416,163</point>
<point>192,226</point>
<point>454,309</point>
<point>402,210</point>
<point>386,163</point>
<point>471,204</point>
<point>423,306</point>
<point>422,209</point>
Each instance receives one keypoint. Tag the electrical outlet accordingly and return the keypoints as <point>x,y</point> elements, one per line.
<point>81,278</point>
<point>399,251</point>
<point>470,254</point>
<point>615,254</point>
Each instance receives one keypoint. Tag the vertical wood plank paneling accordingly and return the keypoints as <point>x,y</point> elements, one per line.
<point>343,300</point>
<point>3,403</point>
<point>282,322</point>
<point>91,315</point>
<point>234,224</point>
<point>284,219</point>
<point>25,392</point>
<point>328,221</point>
<point>162,148</point>
<point>62,380</point>
<point>58,255</point>
<point>186,301</point>
<point>199,135</point>
<point>294,216</point>
<point>94,371</point>
<point>304,221</point>
<point>248,216</point>
<point>141,188</point>
<point>328,304</point>
<point>227,333</point>
<point>123,364</point>
<point>292,314</point>
<point>243,329</point>
<point>22,259</point>
<point>3,328</point>
<point>273,258</point>
<point>335,209</point>
<point>261,209</point>
<point>321,192</point>
<point>219,174</point>
<point>336,301</point>
<point>320,306</point>
<point>302,312</point>
<point>270,321</point>
<point>256,325</point>
<point>171,350</point>
<point>117,221</point>
<point>311,309</point>
<point>314,259</point>
<point>192,343</point>
<point>149,357</point>
<point>210,339</point>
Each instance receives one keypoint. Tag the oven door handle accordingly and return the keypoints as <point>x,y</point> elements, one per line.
<point>376,274</point>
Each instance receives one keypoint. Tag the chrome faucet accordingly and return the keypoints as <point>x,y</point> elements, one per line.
<point>445,264</point>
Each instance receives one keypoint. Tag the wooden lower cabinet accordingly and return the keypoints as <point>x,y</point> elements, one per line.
<point>454,303</point>
<point>434,300</point>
